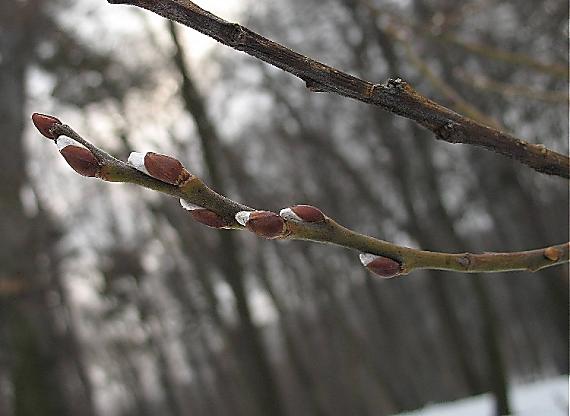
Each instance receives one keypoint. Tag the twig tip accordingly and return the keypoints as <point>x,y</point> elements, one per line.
<point>44,123</point>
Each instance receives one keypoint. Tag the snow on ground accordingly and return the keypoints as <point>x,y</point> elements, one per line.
<point>541,398</point>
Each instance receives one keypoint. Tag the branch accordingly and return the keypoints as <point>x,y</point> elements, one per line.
<point>445,36</point>
<point>510,90</point>
<point>513,58</point>
<point>300,222</point>
<point>444,88</point>
<point>395,96</point>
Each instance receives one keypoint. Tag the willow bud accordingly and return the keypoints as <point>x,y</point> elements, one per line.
<point>209,218</point>
<point>44,123</point>
<point>164,168</point>
<point>302,213</point>
<point>78,156</point>
<point>381,266</point>
<point>265,224</point>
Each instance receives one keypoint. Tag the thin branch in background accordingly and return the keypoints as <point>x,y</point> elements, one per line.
<point>510,90</point>
<point>461,104</point>
<point>395,95</point>
<point>466,10</point>
<point>166,174</point>
<point>513,58</point>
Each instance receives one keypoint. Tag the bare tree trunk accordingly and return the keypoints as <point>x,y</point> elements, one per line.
<point>496,363</point>
<point>308,384</point>
<point>253,350</point>
<point>226,401</point>
<point>41,379</point>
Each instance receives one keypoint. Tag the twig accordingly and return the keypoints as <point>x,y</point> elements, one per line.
<point>450,93</point>
<point>441,35</point>
<point>167,175</point>
<point>395,96</point>
<point>513,58</point>
<point>510,90</point>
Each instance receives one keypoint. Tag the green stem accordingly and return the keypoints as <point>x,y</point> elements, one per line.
<point>328,232</point>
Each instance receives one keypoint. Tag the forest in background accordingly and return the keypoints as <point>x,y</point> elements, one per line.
<point>114,302</point>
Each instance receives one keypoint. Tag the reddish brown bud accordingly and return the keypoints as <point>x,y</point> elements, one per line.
<point>263,223</point>
<point>81,160</point>
<point>382,266</point>
<point>44,123</point>
<point>207,217</point>
<point>308,213</point>
<point>165,168</point>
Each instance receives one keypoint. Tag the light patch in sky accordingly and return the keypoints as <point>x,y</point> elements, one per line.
<point>105,23</point>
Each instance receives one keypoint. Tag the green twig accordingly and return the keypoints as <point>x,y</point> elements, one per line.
<point>325,230</point>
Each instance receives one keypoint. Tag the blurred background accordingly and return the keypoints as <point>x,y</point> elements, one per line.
<point>114,302</point>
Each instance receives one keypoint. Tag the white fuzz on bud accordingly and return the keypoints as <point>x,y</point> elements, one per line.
<point>136,160</point>
<point>367,258</point>
<point>188,205</point>
<point>243,217</point>
<point>63,141</point>
<point>289,215</point>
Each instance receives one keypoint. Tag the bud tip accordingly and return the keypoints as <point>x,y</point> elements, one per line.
<point>44,123</point>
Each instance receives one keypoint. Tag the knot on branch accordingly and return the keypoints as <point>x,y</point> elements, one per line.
<point>237,36</point>
<point>552,253</point>
<point>397,83</point>
<point>450,132</point>
<point>314,86</point>
<point>542,149</point>
<point>465,260</point>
